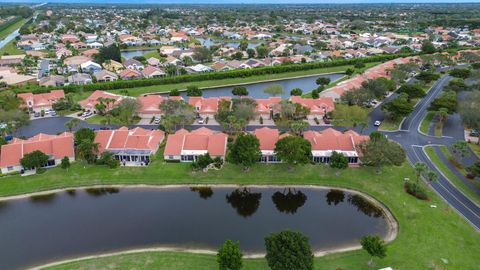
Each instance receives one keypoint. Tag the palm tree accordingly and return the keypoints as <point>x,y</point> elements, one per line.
<point>431,176</point>
<point>420,169</point>
<point>87,150</point>
<point>72,123</point>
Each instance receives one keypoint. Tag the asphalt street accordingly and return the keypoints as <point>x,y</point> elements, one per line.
<point>408,136</point>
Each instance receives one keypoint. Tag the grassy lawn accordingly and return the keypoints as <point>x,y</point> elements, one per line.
<point>11,28</point>
<point>390,124</point>
<point>438,129</point>
<point>449,174</point>
<point>420,235</point>
<point>231,81</point>
<point>426,122</point>
<point>152,54</point>
<point>10,49</point>
<point>475,148</point>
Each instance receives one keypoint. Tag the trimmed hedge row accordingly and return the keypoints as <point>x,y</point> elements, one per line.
<point>10,23</point>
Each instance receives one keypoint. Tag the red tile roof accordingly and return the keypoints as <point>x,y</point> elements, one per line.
<point>150,103</point>
<point>92,100</point>
<point>331,139</point>
<point>42,100</point>
<point>202,139</point>
<point>317,106</point>
<point>268,137</point>
<point>125,139</point>
<point>264,105</point>
<point>57,146</point>
<point>206,105</point>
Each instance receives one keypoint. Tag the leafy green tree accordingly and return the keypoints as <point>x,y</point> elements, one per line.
<point>174,93</point>
<point>323,81</point>
<point>412,90</point>
<point>84,134</point>
<point>229,256</point>
<point>239,91</point>
<point>87,151</point>
<point>468,111</point>
<point>447,100</point>
<point>65,163</point>
<point>350,115</point>
<point>427,47</point>
<point>462,73</point>
<point>194,91</point>
<point>274,90</point>
<point>127,111</point>
<point>349,71</point>
<point>14,119</point>
<point>378,151</point>
<point>296,92</point>
<point>72,123</point>
<point>375,247</point>
<point>251,53</point>
<point>298,126</point>
<point>294,150</point>
<point>245,150</point>
<point>108,53</point>
<point>399,107</point>
<point>202,162</point>
<point>202,54</point>
<point>288,250</point>
<point>379,87</point>
<point>460,149</point>
<point>34,160</point>
<point>262,51</point>
<point>474,169</point>
<point>338,160</point>
<point>431,176</point>
<point>457,85</point>
<point>315,94</point>
<point>427,76</point>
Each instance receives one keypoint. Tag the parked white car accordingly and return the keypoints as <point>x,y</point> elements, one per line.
<point>377,123</point>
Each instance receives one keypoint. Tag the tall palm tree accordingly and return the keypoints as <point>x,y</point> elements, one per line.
<point>87,150</point>
<point>72,123</point>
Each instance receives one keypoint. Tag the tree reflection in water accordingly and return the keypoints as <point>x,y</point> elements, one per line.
<point>204,192</point>
<point>289,202</point>
<point>335,196</point>
<point>101,191</point>
<point>365,206</point>
<point>46,198</point>
<point>244,201</point>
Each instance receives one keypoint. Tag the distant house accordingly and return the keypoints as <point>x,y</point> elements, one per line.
<point>199,68</point>
<point>206,106</point>
<point>329,140</point>
<point>153,72</point>
<point>89,103</point>
<point>55,146</point>
<point>268,137</point>
<point>150,106</point>
<point>113,65</point>
<point>79,79</point>
<point>105,76</point>
<point>90,66</point>
<point>133,64</point>
<point>53,80</point>
<point>44,101</point>
<point>152,61</point>
<point>130,74</point>
<point>186,146</point>
<point>131,147</point>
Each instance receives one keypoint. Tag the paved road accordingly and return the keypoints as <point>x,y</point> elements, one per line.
<point>413,142</point>
<point>408,136</point>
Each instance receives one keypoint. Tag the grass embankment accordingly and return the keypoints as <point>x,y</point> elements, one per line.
<point>10,49</point>
<point>475,148</point>
<point>425,125</point>
<point>231,81</point>
<point>5,32</point>
<point>449,174</point>
<point>420,235</point>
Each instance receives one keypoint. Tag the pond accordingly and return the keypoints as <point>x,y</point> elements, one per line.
<point>208,42</point>
<point>255,89</point>
<point>134,53</point>
<point>74,223</point>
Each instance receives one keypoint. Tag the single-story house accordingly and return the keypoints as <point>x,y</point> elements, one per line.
<point>55,146</point>
<point>89,103</point>
<point>105,76</point>
<point>44,101</point>
<point>79,78</point>
<point>186,146</point>
<point>318,107</point>
<point>206,106</point>
<point>131,147</point>
<point>268,137</point>
<point>329,140</point>
<point>267,107</point>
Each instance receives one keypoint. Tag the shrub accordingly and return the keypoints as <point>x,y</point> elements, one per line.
<point>261,120</point>
<point>415,190</point>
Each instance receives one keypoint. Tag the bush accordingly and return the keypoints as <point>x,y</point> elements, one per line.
<point>206,120</point>
<point>415,190</point>
<point>316,121</point>
<point>260,120</point>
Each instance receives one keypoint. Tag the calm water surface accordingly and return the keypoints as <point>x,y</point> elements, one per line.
<point>43,229</point>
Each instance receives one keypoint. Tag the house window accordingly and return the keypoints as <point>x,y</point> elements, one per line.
<point>10,168</point>
<point>170,157</point>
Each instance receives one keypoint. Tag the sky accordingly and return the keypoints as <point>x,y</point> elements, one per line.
<point>244,1</point>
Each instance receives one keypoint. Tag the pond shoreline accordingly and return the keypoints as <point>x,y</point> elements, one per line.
<point>392,222</point>
<point>252,82</point>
